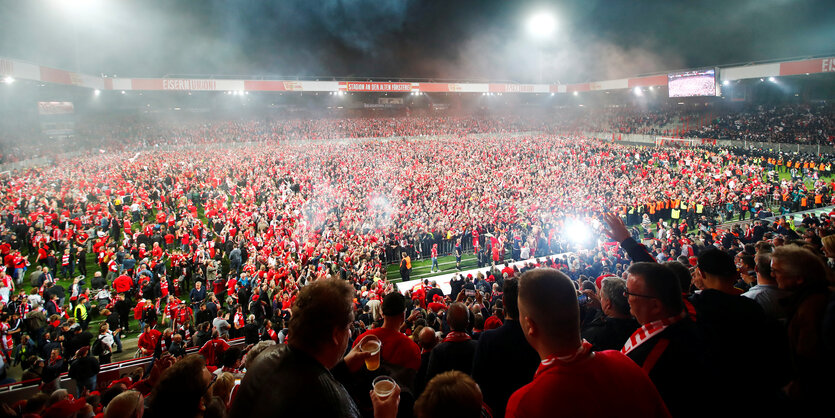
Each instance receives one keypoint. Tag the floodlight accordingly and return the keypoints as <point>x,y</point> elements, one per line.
<point>772,79</point>
<point>96,92</point>
<point>541,25</point>
<point>726,82</point>
<point>637,91</point>
<point>123,92</point>
<point>8,79</point>
<point>552,94</point>
<point>576,93</point>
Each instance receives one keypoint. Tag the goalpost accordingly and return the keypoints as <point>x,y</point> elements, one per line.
<point>669,141</point>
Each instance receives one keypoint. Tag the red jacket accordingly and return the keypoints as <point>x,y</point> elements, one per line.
<point>122,284</point>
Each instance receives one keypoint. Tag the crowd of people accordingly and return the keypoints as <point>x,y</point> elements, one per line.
<point>796,124</point>
<point>193,247</point>
<point>789,124</point>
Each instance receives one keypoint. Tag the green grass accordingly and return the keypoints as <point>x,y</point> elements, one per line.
<point>420,268</point>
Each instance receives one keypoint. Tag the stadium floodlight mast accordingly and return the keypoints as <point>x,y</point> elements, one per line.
<point>541,27</point>
<point>8,79</point>
<point>78,12</point>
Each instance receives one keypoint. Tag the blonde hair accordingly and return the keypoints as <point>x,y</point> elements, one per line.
<point>829,243</point>
<point>223,386</point>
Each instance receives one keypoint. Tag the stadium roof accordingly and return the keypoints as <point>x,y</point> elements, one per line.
<point>396,39</point>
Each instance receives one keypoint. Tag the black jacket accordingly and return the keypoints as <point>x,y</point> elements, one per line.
<point>84,367</point>
<point>606,333</point>
<point>503,363</point>
<point>287,382</point>
<point>737,328</point>
<point>450,355</point>
<point>681,372</point>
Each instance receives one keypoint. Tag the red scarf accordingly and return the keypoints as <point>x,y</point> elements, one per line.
<point>457,337</point>
<point>649,330</point>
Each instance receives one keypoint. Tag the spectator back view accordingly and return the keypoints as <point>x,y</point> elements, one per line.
<point>550,317</point>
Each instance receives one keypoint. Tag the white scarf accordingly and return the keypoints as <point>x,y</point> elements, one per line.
<point>650,330</point>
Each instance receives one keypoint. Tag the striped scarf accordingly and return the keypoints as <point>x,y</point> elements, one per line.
<point>650,330</point>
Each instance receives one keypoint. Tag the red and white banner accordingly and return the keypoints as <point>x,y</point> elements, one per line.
<point>819,65</point>
<point>29,71</point>
<point>655,80</point>
<point>373,86</point>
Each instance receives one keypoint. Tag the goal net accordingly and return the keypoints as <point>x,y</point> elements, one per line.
<point>667,141</point>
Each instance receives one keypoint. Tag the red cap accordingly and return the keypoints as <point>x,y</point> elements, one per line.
<point>492,322</point>
<point>64,408</point>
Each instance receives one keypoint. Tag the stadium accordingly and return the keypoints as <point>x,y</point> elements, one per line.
<point>416,209</point>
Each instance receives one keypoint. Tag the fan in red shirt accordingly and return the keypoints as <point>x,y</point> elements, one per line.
<point>397,348</point>
<point>213,349</point>
<point>148,340</point>
<point>122,284</point>
<point>550,318</point>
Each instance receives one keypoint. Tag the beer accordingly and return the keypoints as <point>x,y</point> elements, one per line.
<point>372,345</point>
<point>383,386</point>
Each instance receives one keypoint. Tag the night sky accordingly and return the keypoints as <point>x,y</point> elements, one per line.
<point>437,39</point>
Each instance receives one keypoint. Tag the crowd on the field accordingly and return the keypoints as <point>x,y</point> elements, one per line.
<point>194,247</point>
<point>797,124</point>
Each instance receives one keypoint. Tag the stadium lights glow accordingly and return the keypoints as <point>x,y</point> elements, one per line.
<point>577,232</point>
<point>726,82</point>
<point>78,7</point>
<point>638,91</point>
<point>762,79</point>
<point>96,92</point>
<point>772,79</point>
<point>123,92</point>
<point>650,88</point>
<point>576,93</point>
<point>541,25</point>
<point>8,79</point>
<point>552,94</point>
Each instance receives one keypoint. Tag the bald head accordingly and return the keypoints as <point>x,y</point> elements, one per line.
<point>548,298</point>
<point>457,317</point>
<point>427,338</point>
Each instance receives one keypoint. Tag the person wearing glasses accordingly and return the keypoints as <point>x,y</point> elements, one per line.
<point>668,345</point>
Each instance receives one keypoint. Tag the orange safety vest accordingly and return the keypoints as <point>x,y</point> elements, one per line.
<point>803,202</point>
<point>818,199</point>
